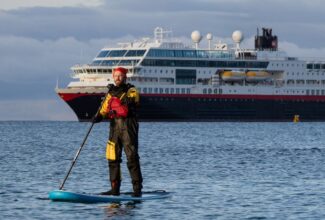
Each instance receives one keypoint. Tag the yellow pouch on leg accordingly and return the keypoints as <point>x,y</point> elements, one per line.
<point>110,151</point>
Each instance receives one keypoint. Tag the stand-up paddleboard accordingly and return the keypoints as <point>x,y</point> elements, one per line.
<point>65,196</point>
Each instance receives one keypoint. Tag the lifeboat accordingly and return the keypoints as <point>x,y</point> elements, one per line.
<point>254,76</point>
<point>230,76</point>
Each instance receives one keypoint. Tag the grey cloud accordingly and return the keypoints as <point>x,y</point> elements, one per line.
<point>298,21</point>
<point>39,45</point>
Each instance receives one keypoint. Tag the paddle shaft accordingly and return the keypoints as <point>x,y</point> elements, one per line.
<point>82,145</point>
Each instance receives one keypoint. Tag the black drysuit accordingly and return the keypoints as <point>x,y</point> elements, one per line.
<point>124,133</point>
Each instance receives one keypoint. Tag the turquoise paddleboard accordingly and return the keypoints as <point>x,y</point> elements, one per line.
<point>65,196</point>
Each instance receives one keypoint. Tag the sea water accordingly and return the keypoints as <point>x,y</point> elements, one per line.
<point>215,170</point>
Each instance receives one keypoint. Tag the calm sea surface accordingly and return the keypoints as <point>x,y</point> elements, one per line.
<point>216,170</point>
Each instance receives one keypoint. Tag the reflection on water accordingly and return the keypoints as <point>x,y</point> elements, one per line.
<point>119,209</point>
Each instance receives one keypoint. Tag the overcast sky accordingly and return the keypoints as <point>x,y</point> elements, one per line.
<point>41,39</point>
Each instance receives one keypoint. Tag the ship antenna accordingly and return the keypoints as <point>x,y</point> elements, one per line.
<point>81,55</point>
<point>57,83</point>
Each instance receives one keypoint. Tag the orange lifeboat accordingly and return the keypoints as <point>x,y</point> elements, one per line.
<point>231,76</point>
<point>254,76</point>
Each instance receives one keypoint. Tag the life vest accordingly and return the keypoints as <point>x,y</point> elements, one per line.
<point>116,109</point>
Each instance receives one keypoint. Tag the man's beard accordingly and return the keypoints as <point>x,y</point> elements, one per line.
<point>118,82</point>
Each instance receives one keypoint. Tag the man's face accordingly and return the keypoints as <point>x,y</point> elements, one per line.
<point>119,78</point>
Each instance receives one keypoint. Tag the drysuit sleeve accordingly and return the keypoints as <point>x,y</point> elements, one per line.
<point>104,109</point>
<point>133,95</point>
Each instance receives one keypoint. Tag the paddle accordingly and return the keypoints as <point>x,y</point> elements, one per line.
<point>82,145</point>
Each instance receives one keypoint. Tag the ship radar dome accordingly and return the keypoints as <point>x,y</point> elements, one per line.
<point>237,36</point>
<point>196,37</point>
<point>209,36</point>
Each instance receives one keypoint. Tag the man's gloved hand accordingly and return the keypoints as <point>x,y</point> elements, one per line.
<point>112,114</point>
<point>97,118</point>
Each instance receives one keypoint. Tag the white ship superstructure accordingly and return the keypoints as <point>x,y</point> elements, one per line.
<point>166,71</point>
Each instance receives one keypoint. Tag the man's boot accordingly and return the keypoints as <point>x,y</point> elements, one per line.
<point>115,191</point>
<point>137,190</point>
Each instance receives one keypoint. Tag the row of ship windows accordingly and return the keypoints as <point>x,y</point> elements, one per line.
<point>222,99</point>
<point>166,90</point>
<point>316,66</point>
<point>121,53</point>
<point>176,91</point>
<point>172,71</point>
<point>219,91</point>
<point>283,64</point>
<point>114,63</point>
<point>315,92</point>
<point>308,73</point>
<point>166,53</point>
<point>308,82</point>
<point>205,63</point>
<point>188,53</point>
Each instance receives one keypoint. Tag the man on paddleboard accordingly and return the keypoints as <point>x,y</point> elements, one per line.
<point>120,106</point>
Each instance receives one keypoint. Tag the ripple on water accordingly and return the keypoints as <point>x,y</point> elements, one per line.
<point>216,170</point>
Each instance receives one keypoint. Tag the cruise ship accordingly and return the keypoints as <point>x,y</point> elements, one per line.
<point>218,82</point>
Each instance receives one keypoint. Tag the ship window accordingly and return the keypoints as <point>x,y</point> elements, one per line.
<point>160,53</point>
<point>204,91</point>
<point>150,90</point>
<point>96,62</point>
<point>210,91</point>
<point>202,63</point>
<point>202,54</point>
<point>156,90</point>
<point>309,66</point>
<point>128,62</point>
<point>189,53</point>
<point>215,91</point>
<point>185,76</point>
<point>166,90</point>
<point>172,90</point>
<point>109,62</point>
<point>161,90</point>
<point>177,90</point>
<point>178,53</point>
<point>103,53</point>
<point>188,91</point>
<point>117,53</point>
<point>317,66</point>
<point>144,90</point>
<point>135,53</point>
<point>323,66</point>
<point>183,90</point>
<point>189,63</point>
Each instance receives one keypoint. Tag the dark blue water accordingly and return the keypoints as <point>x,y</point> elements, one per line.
<point>216,170</point>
